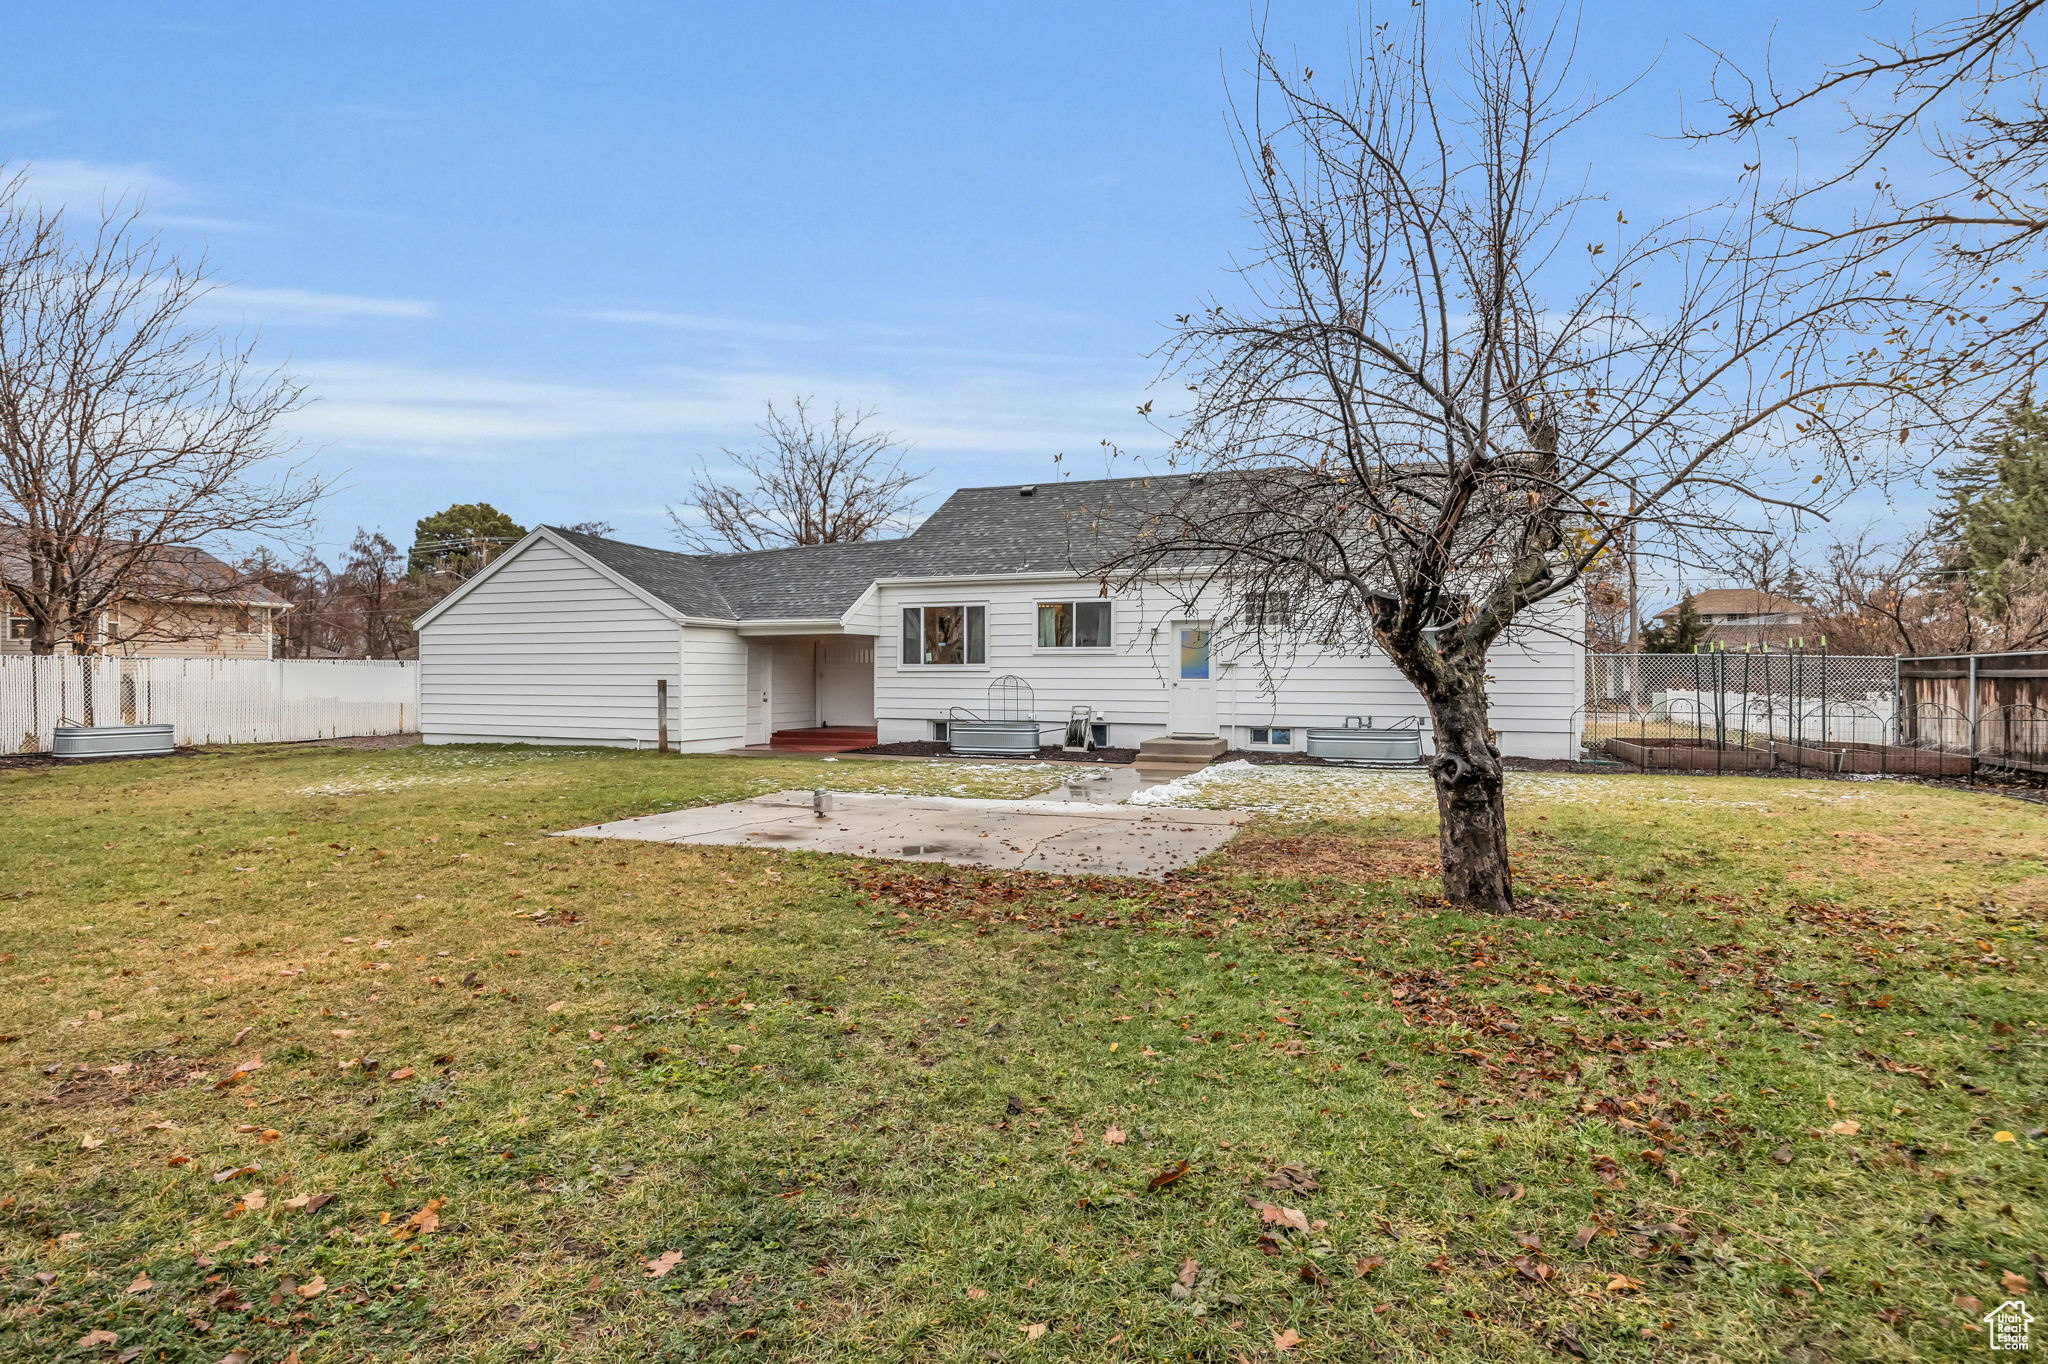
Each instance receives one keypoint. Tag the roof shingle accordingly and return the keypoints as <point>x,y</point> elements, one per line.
<point>975,531</point>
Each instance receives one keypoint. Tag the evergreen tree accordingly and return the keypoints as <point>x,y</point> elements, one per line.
<point>460,539</point>
<point>1681,634</point>
<point>1996,517</point>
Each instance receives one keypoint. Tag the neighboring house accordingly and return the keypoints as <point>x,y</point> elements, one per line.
<point>567,638</point>
<point>1736,616</point>
<point>197,607</point>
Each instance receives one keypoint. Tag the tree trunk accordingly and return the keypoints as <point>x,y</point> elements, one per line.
<point>1471,807</point>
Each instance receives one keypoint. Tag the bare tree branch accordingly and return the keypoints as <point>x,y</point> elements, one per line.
<point>1436,405</point>
<point>813,480</point>
<point>126,432</point>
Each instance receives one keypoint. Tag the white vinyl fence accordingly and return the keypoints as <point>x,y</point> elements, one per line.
<point>208,700</point>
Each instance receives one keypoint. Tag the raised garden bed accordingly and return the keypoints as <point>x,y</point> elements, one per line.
<point>1889,759</point>
<point>1687,755</point>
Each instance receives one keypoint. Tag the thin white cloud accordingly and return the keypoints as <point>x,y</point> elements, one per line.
<point>254,305</point>
<point>197,222</point>
<point>85,185</point>
<point>738,328</point>
<point>674,412</point>
<point>12,120</point>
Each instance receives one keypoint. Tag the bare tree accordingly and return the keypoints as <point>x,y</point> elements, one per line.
<point>1436,403</point>
<point>127,433</point>
<point>1948,149</point>
<point>812,480</point>
<point>1905,594</point>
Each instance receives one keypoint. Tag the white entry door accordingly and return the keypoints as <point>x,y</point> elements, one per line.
<point>1191,689</point>
<point>760,692</point>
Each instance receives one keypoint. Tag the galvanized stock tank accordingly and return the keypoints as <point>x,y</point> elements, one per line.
<point>112,741</point>
<point>1361,741</point>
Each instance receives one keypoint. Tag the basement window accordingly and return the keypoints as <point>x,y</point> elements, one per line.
<point>1272,736</point>
<point>942,732</point>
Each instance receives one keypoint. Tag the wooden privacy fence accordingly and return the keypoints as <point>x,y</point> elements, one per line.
<point>207,700</point>
<point>1995,705</point>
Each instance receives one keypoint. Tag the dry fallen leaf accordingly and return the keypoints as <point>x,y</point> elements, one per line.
<point>1035,1329</point>
<point>2016,1284</point>
<point>89,1142</point>
<point>308,1202</point>
<point>660,1265</point>
<point>241,1072</point>
<point>1368,1264</point>
<point>2003,1136</point>
<point>427,1219</point>
<point>402,1073</point>
<point>92,1338</point>
<point>1622,1283</point>
<point>141,1283</point>
<point>1287,1339</point>
<point>313,1287</point>
<point>234,1172</point>
<point>1113,1135</point>
<point>1166,1176</point>
<point>1292,1178</point>
<point>1847,1127</point>
<point>976,1294</point>
<point>1273,1215</point>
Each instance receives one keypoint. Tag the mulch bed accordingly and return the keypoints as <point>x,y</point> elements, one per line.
<point>933,748</point>
<point>33,760</point>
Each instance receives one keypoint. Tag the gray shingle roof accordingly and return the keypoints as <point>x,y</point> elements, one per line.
<point>681,580</point>
<point>975,531</point>
<point>167,573</point>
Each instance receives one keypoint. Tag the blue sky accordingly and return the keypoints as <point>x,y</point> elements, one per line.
<point>547,255</point>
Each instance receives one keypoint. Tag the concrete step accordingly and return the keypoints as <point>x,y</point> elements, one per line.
<point>1161,771</point>
<point>1179,749</point>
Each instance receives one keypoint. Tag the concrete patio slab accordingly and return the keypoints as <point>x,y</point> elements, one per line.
<point>1066,838</point>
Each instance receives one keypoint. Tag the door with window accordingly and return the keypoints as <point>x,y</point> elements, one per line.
<point>1191,686</point>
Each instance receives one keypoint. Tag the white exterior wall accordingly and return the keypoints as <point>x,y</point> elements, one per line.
<point>793,699</point>
<point>1535,692</point>
<point>714,690</point>
<point>548,650</point>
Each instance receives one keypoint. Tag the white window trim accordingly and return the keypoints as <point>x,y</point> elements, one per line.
<point>1065,649</point>
<point>987,615</point>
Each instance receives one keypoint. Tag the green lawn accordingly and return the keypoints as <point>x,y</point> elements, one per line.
<point>1760,1075</point>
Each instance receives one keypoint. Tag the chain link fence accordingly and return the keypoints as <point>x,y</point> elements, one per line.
<point>1751,712</point>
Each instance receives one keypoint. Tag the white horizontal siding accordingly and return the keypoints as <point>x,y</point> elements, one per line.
<point>1535,691</point>
<point>548,650</point>
<point>793,695</point>
<point>714,689</point>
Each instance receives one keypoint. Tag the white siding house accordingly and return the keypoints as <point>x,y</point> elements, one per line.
<point>547,648</point>
<point>570,638</point>
<point>1132,684</point>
